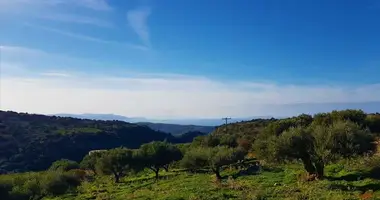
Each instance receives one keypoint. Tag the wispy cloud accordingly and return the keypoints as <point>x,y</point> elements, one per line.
<point>101,5</point>
<point>17,50</point>
<point>87,38</point>
<point>61,90</point>
<point>79,19</point>
<point>98,5</point>
<point>59,10</point>
<point>55,74</point>
<point>137,20</point>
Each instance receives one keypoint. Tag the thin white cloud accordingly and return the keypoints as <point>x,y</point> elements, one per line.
<point>137,20</point>
<point>100,5</point>
<point>79,19</point>
<point>58,10</point>
<point>20,50</point>
<point>87,38</point>
<point>25,5</point>
<point>55,74</point>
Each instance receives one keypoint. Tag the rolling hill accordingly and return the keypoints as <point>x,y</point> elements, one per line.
<point>30,142</point>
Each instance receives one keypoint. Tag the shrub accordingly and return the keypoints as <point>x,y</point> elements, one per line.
<point>64,165</point>
<point>31,186</point>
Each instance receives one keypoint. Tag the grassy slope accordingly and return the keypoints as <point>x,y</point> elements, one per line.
<point>278,183</point>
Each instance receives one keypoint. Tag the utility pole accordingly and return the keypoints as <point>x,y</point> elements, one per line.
<point>226,119</point>
<point>226,122</point>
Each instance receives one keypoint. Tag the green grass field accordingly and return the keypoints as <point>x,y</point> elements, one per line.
<point>343,181</point>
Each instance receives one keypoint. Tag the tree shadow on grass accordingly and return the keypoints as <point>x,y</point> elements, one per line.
<point>374,174</point>
<point>148,178</point>
<point>144,185</point>
<point>252,170</point>
<point>145,182</point>
<point>229,196</point>
<point>349,187</point>
<point>199,171</point>
<point>272,169</point>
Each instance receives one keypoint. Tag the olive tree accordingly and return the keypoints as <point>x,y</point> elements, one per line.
<point>64,165</point>
<point>89,161</point>
<point>157,155</point>
<point>118,162</point>
<point>317,145</point>
<point>213,158</point>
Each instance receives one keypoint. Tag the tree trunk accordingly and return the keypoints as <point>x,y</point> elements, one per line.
<point>156,171</point>
<point>308,165</point>
<point>117,178</point>
<point>320,166</point>
<point>217,174</point>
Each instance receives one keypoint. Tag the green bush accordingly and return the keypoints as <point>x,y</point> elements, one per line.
<point>55,183</point>
<point>31,186</point>
<point>64,165</point>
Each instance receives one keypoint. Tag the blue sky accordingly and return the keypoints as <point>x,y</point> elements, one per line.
<point>174,59</point>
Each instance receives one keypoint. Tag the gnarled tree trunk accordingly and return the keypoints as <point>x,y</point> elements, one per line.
<point>117,177</point>
<point>156,170</point>
<point>308,164</point>
<point>166,167</point>
<point>217,173</point>
<point>320,166</point>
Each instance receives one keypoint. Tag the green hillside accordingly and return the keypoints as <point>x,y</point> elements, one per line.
<point>32,142</point>
<point>325,156</point>
<point>280,182</point>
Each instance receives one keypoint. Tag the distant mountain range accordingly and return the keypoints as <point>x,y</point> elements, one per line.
<point>196,122</point>
<point>102,117</point>
<point>179,126</point>
<point>174,127</point>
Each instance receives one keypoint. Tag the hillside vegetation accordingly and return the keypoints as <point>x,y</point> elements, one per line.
<point>325,156</point>
<point>346,181</point>
<point>253,128</point>
<point>32,142</point>
<point>169,127</point>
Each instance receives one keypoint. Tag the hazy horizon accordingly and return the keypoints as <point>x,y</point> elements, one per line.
<point>290,110</point>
